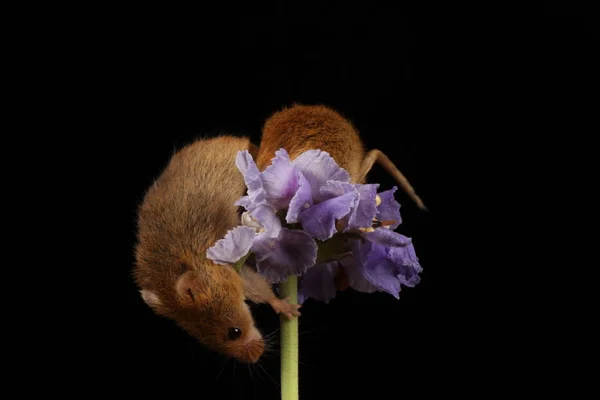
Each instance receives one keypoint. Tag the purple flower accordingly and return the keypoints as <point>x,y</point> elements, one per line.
<point>332,196</point>
<point>319,220</point>
<point>310,188</point>
<point>384,267</point>
<point>291,253</point>
<point>315,192</point>
<point>318,282</point>
<point>318,167</point>
<point>386,237</point>
<point>389,209</point>
<point>236,244</point>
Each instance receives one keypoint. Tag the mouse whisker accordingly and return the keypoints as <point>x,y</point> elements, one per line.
<point>268,375</point>
<point>271,334</point>
<point>257,372</point>
<point>310,331</point>
<point>222,369</point>
<point>251,376</point>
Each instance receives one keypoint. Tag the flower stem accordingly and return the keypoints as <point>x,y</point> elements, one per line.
<point>289,343</point>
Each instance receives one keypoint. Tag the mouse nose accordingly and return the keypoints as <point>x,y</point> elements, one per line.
<point>254,349</point>
<point>254,346</point>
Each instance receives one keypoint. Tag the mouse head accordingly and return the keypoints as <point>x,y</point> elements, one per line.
<point>210,307</point>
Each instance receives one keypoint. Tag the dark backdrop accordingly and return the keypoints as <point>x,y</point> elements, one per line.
<point>416,86</point>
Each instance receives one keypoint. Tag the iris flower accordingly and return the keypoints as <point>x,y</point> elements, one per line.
<point>292,203</point>
<point>380,260</point>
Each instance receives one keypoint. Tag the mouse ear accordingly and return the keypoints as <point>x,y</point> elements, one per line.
<point>152,300</point>
<point>188,289</point>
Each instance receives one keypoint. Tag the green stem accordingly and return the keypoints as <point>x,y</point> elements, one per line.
<point>289,343</point>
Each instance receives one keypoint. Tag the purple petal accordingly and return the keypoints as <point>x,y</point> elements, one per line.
<point>408,264</point>
<point>318,282</point>
<point>244,202</point>
<point>266,216</point>
<point>381,271</point>
<point>319,220</point>
<point>365,210</point>
<point>301,200</point>
<point>356,279</point>
<point>381,266</point>
<point>248,168</point>
<point>333,189</point>
<point>289,254</point>
<point>280,180</point>
<point>233,246</point>
<point>387,237</point>
<point>318,167</point>
<point>389,209</point>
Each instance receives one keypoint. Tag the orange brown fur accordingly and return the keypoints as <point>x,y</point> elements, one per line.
<point>301,127</point>
<point>187,209</point>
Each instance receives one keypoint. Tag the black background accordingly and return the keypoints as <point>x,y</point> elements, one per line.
<point>416,85</point>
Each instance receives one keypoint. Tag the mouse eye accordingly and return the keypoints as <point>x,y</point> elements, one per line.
<point>234,333</point>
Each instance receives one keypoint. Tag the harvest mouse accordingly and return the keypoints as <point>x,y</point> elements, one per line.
<point>304,127</point>
<point>187,209</point>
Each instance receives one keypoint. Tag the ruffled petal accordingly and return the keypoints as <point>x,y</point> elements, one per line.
<point>319,282</point>
<point>280,180</point>
<point>318,167</point>
<point>408,264</point>
<point>386,268</point>
<point>387,237</point>
<point>365,210</point>
<point>236,244</point>
<point>249,170</point>
<point>267,218</point>
<point>381,271</point>
<point>291,253</point>
<point>389,209</point>
<point>356,279</point>
<point>301,200</point>
<point>331,189</point>
<point>244,202</point>
<point>319,220</point>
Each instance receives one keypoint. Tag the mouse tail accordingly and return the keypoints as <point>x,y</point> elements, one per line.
<point>377,156</point>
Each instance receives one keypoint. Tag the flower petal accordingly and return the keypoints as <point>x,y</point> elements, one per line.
<point>319,220</point>
<point>280,180</point>
<point>267,218</point>
<point>386,268</point>
<point>318,167</point>
<point>387,237</point>
<point>356,279</point>
<point>365,210</point>
<point>291,253</point>
<point>233,246</point>
<point>381,271</point>
<point>249,170</point>
<point>319,282</point>
<point>244,202</point>
<point>408,264</point>
<point>301,200</point>
<point>389,209</point>
<point>333,189</point>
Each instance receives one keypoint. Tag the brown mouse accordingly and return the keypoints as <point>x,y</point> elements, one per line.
<point>186,210</point>
<point>304,127</point>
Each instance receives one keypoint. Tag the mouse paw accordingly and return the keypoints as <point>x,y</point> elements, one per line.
<point>285,307</point>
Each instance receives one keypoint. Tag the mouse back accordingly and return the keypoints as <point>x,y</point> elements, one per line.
<point>302,127</point>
